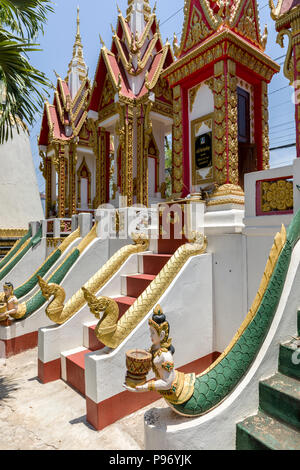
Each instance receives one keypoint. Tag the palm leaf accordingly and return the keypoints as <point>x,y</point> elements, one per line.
<point>25,86</point>
<point>25,16</point>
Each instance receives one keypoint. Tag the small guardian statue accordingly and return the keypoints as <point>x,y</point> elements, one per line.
<point>9,304</point>
<point>176,387</point>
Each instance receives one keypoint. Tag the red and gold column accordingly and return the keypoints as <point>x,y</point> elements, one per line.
<point>72,178</point>
<point>177,164</point>
<point>125,133</point>
<point>61,182</point>
<point>48,177</point>
<point>102,165</point>
<point>226,123</point>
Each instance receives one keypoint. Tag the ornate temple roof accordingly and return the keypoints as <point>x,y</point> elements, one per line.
<point>137,55</point>
<point>205,18</point>
<point>63,120</point>
<point>284,11</point>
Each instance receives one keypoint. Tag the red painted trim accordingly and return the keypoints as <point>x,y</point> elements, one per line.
<point>49,371</point>
<point>123,404</point>
<point>20,344</point>
<point>197,77</point>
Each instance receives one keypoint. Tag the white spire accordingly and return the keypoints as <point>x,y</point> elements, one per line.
<point>77,68</point>
<point>138,12</point>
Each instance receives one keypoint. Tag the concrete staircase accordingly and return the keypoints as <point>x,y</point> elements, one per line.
<point>132,286</point>
<point>276,426</point>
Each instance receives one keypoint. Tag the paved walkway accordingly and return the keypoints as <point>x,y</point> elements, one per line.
<point>52,416</point>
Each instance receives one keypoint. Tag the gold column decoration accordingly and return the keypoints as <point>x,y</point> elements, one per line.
<point>129,157</point>
<point>45,168</point>
<point>102,169</point>
<point>147,138</point>
<point>232,123</point>
<point>140,156</point>
<point>121,131</point>
<point>72,178</point>
<point>220,124</point>
<point>265,127</point>
<point>48,186</point>
<point>125,133</point>
<point>177,174</point>
<point>61,182</point>
<point>226,123</point>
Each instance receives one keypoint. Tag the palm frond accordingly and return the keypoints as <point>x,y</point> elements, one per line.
<point>25,86</point>
<point>25,17</point>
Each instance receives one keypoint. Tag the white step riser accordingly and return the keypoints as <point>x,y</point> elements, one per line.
<point>86,336</point>
<point>63,359</point>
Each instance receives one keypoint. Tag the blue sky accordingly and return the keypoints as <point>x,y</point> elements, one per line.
<point>96,18</point>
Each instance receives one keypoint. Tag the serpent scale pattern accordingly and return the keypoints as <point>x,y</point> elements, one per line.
<point>213,387</point>
<point>44,268</point>
<point>15,249</point>
<point>28,244</point>
<point>38,300</point>
<point>77,301</point>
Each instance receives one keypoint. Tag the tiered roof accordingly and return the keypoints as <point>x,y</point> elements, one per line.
<point>63,120</point>
<point>206,18</point>
<point>284,12</point>
<point>136,58</point>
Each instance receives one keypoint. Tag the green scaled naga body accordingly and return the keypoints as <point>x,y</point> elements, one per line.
<point>214,385</point>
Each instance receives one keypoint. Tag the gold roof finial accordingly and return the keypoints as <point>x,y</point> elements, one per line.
<point>77,61</point>
<point>101,40</point>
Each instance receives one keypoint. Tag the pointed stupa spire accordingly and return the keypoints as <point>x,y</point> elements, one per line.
<point>138,13</point>
<point>77,68</point>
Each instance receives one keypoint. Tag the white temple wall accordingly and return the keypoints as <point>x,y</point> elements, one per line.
<point>20,200</point>
<point>229,286</point>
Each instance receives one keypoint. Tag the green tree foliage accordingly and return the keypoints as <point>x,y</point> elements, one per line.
<point>22,86</point>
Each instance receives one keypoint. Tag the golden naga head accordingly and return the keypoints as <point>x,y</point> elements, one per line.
<point>96,306</point>
<point>140,238</point>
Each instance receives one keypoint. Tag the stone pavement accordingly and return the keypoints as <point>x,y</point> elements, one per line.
<point>52,416</point>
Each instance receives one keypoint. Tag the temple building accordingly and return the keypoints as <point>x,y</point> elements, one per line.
<point>107,139</point>
<point>98,143</point>
<point>220,82</point>
<point>132,102</point>
<point>287,17</point>
<point>68,161</point>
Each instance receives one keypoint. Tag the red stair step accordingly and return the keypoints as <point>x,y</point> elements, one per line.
<point>75,370</point>
<point>124,303</point>
<point>94,343</point>
<point>153,263</point>
<point>136,284</point>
